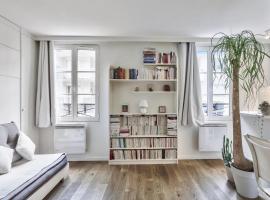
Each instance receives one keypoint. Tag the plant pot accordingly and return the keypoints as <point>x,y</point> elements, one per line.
<point>245,183</point>
<point>229,173</point>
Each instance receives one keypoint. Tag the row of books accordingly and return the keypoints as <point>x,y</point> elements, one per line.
<point>151,56</point>
<point>149,120</point>
<point>157,73</point>
<point>117,130</point>
<point>142,154</point>
<point>143,125</point>
<point>171,124</point>
<point>143,142</point>
<point>122,73</point>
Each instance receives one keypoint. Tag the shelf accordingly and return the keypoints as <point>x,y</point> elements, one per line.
<point>154,92</point>
<point>145,136</point>
<point>142,80</point>
<point>143,161</point>
<point>131,114</point>
<point>141,148</point>
<point>159,64</point>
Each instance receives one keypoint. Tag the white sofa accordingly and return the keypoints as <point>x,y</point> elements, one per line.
<point>30,179</point>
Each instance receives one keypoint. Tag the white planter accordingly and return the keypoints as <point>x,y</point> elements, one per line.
<point>229,173</point>
<point>245,183</point>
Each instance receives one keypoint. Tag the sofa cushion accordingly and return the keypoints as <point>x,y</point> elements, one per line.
<point>6,155</point>
<point>3,136</point>
<point>25,147</point>
<point>13,135</point>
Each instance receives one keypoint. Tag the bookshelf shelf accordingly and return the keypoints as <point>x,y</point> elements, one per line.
<point>145,136</point>
<point>154,92</point>
<point>140,114</point>
<point>150,138</point>
<point>143,162</point>
<point>142,80</point>
<point>159,64</point>
<point>142,148</point>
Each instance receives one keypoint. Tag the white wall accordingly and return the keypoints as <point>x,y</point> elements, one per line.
<point>127,54</point>
<point>28,86</point>
<point>17,77</point>
<point>9,72</point>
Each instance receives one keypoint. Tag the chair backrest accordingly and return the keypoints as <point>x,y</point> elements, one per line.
<point>260,150</point>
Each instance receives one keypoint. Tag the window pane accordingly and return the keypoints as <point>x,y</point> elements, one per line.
<point>63,60</point>
<point>202,62</point>
<point>86,83</point>
<point>86,60</point>
<point>63,83</point>
<point>86,105</point>
<point>64,106</point>
<point>221,105</point>
<point>219,85</point>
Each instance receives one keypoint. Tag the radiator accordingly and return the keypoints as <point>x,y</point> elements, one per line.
<point>211,136</point>
<point>70,138</point>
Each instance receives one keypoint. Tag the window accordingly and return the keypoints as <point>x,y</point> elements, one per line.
<point>75,83</point>
<point>215,97</point>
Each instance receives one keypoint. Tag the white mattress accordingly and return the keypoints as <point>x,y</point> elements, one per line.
<point>23,171</point>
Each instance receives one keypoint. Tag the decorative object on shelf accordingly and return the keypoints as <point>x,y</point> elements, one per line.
<point>247,65</point>
<point>150,87</point>
<point>162,109</point>
<point>125,108</point>
<point>166,88</point>
<point>227,157</point>
<point>143,105</point>
<point>264,107</point>
<point>137,89</point>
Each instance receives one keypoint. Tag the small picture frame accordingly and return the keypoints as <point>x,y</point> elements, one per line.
<point>125,108</point>
<point>162,109</point>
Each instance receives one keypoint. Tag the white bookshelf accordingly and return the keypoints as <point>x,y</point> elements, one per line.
<point>122,92</point>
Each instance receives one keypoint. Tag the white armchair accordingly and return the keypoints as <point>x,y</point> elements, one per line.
<point>260,150</point>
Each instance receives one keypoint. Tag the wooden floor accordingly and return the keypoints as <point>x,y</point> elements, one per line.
<point>196,179</point>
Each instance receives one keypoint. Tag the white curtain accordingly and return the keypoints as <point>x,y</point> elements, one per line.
<point>44,98</point>
<point>189,86</point>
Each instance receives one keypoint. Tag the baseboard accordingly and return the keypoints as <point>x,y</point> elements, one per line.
<point>84,157</point>
<point>199,157</point>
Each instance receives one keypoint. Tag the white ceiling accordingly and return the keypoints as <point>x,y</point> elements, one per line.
<point>177,18</point>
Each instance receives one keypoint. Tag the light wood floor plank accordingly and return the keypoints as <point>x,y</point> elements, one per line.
<point>189,180</point>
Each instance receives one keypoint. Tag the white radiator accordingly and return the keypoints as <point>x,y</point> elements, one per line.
<point>211,136</point>
<point>70,138</point>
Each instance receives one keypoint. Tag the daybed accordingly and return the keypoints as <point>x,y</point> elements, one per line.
<point>32,179</point>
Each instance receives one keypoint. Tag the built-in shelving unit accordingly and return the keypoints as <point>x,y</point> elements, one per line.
<point>143,138</point>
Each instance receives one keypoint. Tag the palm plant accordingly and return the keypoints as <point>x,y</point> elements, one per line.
<point>240,58</point>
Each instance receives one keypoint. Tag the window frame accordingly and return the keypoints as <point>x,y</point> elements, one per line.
<point>210,83</point>
<point>74,80</point>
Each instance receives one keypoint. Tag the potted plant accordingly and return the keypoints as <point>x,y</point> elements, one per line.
<point>240,58</point>
<point>264,107</point>
<point>227,157</point>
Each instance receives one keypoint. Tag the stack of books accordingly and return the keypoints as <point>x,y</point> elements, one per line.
<point>171,124</point>
<point>115,125</point>
<point>149,56</point>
